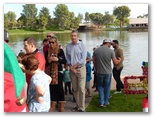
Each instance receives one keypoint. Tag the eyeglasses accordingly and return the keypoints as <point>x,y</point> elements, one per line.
<point>51,36</point>
<point>51,42</point>
<point>48,36</point>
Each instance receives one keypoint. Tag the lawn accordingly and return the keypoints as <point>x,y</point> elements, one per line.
<point>118,103</point>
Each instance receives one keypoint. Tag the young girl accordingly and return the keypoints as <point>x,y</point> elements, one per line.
<point>38,98</point>
<point>67,80</point>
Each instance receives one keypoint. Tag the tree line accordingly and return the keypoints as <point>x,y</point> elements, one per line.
<point>63,19</point>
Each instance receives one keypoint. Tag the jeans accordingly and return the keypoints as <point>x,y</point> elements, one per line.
<point>103,83</point>
<point>116,75</point>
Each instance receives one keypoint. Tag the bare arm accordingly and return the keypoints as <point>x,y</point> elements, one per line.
<point>116,61</point>
<point>39,93</point>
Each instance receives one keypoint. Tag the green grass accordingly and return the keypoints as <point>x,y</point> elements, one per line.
<point>118,103</point>
<point>37,31</point>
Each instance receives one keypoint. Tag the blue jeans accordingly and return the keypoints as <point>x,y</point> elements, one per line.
<point>103,83</point>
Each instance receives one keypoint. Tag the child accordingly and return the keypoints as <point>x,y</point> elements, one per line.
<point>38,98</point>
<point>88,78</point>
<point>67,79</point>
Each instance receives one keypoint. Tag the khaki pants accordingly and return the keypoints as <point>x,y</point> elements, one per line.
<point>78,83</point>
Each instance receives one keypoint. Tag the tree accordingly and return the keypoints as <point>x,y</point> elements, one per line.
<point>30,12</point>
<point>96,18</point>
<point>10,19</point>
<point>62,14</point>
<point>144,16</point>
<point>6,21</point>
<point>107,19</point>
<point>87,18</point>
<point>74,21</point>
<point>121,13</point>
<point>44,17</point>
<point>80,16</point>
<point>22,21</point>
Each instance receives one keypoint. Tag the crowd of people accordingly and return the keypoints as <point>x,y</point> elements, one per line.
<point>51,73</point>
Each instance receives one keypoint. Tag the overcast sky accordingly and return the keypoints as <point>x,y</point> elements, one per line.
<point>136,9</point>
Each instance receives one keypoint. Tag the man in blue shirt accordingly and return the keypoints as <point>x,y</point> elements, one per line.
<point>76,58</point>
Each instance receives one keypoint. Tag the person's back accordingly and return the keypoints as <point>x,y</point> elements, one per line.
<point>104,56</point>
<point>39,79</point>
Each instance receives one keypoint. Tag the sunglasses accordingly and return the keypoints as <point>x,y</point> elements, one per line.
<point>51,36</point>
<point>51,42</point>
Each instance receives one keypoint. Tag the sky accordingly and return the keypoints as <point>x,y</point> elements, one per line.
<point>136,9</point>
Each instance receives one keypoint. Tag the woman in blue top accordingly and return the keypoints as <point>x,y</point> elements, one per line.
<point>38,98</point>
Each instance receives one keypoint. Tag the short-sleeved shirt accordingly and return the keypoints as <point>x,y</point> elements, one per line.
<point>103,57</point>
<point>39,78</point>
<point>42,61</point>
<point>119,53</point>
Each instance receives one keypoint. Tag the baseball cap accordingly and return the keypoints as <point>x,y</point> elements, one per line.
<point>6,35</point>
<point>107,40</point>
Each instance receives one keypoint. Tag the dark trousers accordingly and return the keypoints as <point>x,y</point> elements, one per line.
<point>116,75</point>
<point>95,81</point>
<point>57,91</point>
<point>68,85</point>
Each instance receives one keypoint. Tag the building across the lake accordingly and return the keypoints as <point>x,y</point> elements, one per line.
<point>138,24</point>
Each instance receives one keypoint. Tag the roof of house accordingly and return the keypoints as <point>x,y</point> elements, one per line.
<point>138,21</point>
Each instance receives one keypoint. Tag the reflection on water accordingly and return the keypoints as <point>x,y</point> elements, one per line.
<point>134,45</point>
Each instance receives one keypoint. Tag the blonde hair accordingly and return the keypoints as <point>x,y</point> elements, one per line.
<point>54,51</point>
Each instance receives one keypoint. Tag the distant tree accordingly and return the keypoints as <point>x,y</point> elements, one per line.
<point>30,12</point>
<point>22,20</point>
<point>107,19</point>
<point>143,16</point>
<point>43,18</point>
<point>87,18</point>
<point>62,14</point>
<point>6,21</point>
<point>74,21</point>
<point>96,18</point>
<point>80,16</point>
<point>10,18</point>
<point>121,13</point>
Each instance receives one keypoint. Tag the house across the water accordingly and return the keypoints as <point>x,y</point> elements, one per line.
<point>136,24</point>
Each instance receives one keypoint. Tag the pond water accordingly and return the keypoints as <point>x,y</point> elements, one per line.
<point>134,45</point>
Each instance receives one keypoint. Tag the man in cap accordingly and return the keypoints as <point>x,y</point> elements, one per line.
<point>102,57</point>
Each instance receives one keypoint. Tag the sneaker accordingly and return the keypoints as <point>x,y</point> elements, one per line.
<point>75,109</point>
<point>116,92</point>
<point>106,104</point>
<point>101,105</point>
<point>79,110</point>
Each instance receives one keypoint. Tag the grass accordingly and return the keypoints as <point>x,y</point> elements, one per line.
<point>24,31</point>
<point>118,103</point>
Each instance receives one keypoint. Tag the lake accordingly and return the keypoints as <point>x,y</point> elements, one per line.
<point>134,45</point>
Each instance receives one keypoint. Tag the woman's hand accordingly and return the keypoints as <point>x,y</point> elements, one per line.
<point>52,59</point>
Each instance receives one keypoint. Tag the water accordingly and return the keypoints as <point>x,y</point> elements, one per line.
<point>134,45</point>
